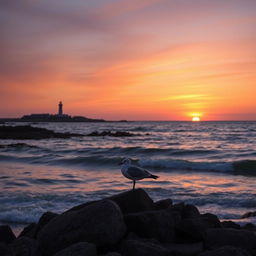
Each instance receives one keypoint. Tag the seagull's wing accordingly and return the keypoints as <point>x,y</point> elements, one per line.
<point>136,172</point>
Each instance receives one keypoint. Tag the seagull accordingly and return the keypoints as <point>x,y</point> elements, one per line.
<point>133,172</point>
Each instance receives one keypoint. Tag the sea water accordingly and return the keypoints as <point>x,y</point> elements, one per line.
<point>209,164</point>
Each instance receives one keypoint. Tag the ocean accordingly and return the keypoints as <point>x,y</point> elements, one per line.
<point>209,164</point>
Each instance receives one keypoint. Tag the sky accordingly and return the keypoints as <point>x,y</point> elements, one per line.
<point>129,59</point>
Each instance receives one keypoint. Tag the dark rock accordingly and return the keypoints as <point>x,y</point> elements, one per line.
<point>193,229</point>
<point>226,251</point>
<point>45,219</point>
<point>142,248</point>
<point>219,237</point>
<point>130,201</point>
<point>24,246</point>
<point>190,249</point>
<point>29,231</point>
<point>248,215</point>
<point>113,254</point>
<point>249,226</point>
<point>28,132</point>
<point>163,204</point>
<point>113,134</point>
<point>32,229</point>
<point>133,201</point>
<point>152,224</point>
<point>5,250</point>
<point>79,249</point>
<point>100,223</point>
<point>6,234</point>
<point>230,224</point>
<point>211,220</point>
<point>186,210</point>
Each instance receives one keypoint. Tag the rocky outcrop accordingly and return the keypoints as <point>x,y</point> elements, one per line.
<point>100,223</point>
<point>130,224</point>
<point>113,134</point>
<point>27,132</point>
<point>6,234</point>
<point>219,237</point>
<point>79,249</point>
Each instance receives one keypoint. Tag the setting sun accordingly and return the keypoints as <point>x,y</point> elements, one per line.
<point>196,119</point>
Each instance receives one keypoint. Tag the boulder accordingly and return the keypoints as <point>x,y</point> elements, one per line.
<point>219,237</point>
<point>152,224</point>
<point>163,204</point>
<point>79,249</point>
<point>6,234</point>
<point>5,250</point>
<point>32,229</point>
<point>230,224</point>
<point>191,230</point>
<point>24,246</point>
<point>29,231</point>
<point>113,254</point>
<point>100,223</point>
<point>142,248</point>
<point>189,249</point>
<point>248,215</point>
<point>225,251</point>
<point>133,201</point>
<point>211,220</point>
<point>185,210</point>
<point>130,201</point>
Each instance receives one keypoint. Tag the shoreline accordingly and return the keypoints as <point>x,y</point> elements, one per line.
<point>127,223</point>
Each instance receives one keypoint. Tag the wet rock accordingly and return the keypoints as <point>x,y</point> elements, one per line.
<point>186,210</point>
<point>100,223</point>
<point>79,249</point>
<point>130,201</point>
<point>163,204</point>
<point>230,224</point>
<point>248,215</point>
<point>226,251</point>
<point>211,220</point>
<point>152,224</point>
<point>24,246</point>
<point>191,230</point>
<point>142,248</point>
<point>250,227</point>
<point>219,237</point>
<point>112,134</point>
<point>32,229</point>
<point>6,234</point>
<point>133,201</point>
<point>45,219</point>
<point>29,231</point>
<point>27,132</point>
<point>5,250</point>
<point>189,249</point>
<point>113,254</point>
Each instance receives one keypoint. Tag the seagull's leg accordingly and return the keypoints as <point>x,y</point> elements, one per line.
<point>134,181</point>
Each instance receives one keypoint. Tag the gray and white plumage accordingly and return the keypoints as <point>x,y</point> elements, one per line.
<point>134,173</point>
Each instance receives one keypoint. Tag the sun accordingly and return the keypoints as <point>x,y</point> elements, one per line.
<point>196,119</point>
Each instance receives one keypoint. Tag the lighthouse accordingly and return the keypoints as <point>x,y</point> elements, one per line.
<point>60,112</point>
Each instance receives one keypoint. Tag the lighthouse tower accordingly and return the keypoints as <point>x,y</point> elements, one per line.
<point>60,112</point>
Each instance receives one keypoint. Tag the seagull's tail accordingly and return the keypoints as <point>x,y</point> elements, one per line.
<point>153,176</point>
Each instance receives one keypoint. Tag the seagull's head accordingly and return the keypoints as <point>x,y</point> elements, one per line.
<point>126,161</point>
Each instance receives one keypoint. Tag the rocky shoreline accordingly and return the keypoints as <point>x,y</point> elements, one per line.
<point>130,224</point>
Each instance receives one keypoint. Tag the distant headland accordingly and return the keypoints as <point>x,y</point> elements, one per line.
<point>46,117</point>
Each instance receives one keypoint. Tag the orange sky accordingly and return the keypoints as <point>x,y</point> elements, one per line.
<point>129,59</point>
